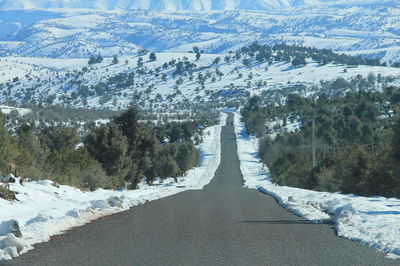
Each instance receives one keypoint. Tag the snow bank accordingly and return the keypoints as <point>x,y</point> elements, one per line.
<point>373,221</point>
<point>44,210</point>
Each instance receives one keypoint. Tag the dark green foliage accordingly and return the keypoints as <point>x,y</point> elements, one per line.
<point>128,122</point>
<point>109,146</point>
<point>135,150</point>
<point>299,61</point>
<point>7,146</point>
<point>58,139</point>
<point>140,62</point>
<point>95,59</point>
<point>186,157</point>
<point>115,60</point>
<point>123,150</point>
<point>32,156</point>
<point>196,50</point>
<point>247,62</point>
<point>357,141</point>
<point>152,57</point>
<point>77,168</point>
<point>297,55</point>
<point>217,60</point>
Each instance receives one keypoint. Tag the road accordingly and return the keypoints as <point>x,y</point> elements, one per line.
<point>223,224</point>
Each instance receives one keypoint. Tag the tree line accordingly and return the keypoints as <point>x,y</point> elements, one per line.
<point>297,55</point>
<point>125,150</point>
<point>348,143</point>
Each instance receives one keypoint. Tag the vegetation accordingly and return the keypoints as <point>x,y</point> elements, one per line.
<point>152,57</point>
<point>297,55</point>
<point>356,138</point>
<point>115,60</point>
<point>6,193</point>
<point>96,59</point>
<point>107,156</point>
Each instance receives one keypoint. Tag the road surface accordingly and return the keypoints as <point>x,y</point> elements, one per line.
<point>223,224</point>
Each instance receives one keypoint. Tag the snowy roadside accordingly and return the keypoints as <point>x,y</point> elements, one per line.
<point>43,210</point>
<point>373,221</point>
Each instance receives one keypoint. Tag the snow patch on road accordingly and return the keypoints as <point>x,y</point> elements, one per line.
<point>373,221</point>
<point>44,209</point>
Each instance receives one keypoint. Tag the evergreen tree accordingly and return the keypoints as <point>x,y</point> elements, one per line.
<point>7,152</point>
<point>217,60</point>
<point>299,61</point>
<point>140,62</point>
<point>109,146</point>
<point>115,60</point>
<point>153,57</point>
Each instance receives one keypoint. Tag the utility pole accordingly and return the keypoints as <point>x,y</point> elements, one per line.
<point>314,159</point>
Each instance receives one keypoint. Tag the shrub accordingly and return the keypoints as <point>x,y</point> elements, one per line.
<point>6,193</point>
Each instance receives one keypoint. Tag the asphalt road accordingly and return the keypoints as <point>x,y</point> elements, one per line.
<point>224,224</point>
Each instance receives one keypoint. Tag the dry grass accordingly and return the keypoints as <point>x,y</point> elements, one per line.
<point>6,193</point>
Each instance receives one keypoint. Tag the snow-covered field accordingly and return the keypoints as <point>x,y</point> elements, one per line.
<point>54,78</point>
<point>44,210</point>
<point>373,221</point>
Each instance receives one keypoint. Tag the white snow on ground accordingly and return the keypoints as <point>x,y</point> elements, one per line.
<point>8,109</point>
<point>373,221</point>
<point>44,210</point>
<point>53,77</point>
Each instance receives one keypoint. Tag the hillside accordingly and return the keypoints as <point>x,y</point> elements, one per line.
<point>176,80</point>
<point>174,5</point>
<point>370,30</point>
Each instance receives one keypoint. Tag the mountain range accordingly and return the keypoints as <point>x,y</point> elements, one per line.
<point>81,28</point>
<point>174,5</point>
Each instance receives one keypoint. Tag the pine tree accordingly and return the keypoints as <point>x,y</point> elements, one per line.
<point>115,60</point>
<point>216,61</point>
<point>153,57</point>
<point>140,62</point>
<point>109,146</point>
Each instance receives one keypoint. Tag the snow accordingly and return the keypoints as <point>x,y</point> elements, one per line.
<point>373,221</point>
<point>8,109</point>
<point>52,77</point>
<point>173,5</point>
<point>67,33</point>
<point>165,5</point>
<point>45,209</point>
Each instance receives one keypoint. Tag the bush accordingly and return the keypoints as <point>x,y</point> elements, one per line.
<point>327,180</point>
<point>109,146</point>
<point>292,169</point>
<point>6,194</point>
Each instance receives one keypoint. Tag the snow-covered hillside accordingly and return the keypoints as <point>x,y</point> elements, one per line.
<point>173,5</point>
<point>155,84</point>
<point>371,30</point>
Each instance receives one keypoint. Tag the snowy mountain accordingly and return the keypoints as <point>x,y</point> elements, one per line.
<point>369,30</point>
<point>48,49</point>
<point>174,5</point>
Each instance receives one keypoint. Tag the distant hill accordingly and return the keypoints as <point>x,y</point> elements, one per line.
<point>174,5</point>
